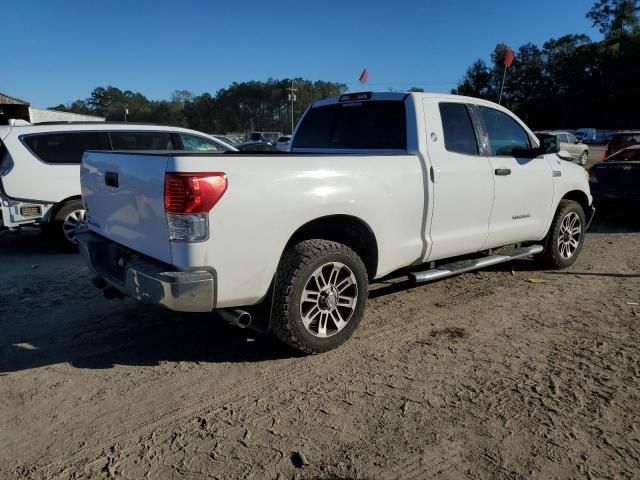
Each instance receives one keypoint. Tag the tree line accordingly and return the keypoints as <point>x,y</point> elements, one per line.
<point>245,106</point>
<point>570,81</point>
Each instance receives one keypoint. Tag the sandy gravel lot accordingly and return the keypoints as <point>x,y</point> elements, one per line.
<point>480,376</point>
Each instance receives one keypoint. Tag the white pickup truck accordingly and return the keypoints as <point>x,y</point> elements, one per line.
<point>374,183</point>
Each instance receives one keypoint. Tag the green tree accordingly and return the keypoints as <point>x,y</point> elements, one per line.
<point>615,18</point>
<point>477,82</point>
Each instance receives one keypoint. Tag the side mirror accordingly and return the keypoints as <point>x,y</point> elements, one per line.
<point>549,144</point>
<point>564,155</point>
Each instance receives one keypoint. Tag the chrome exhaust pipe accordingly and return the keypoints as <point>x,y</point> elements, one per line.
<point>239,318</point>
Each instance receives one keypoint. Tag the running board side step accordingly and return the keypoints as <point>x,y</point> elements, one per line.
<point>451,269</point>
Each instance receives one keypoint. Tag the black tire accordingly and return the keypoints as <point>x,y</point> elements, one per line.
<point>554,256</point>
<point>584,158</point>
<point>56,226</point>
<point>295,270</point>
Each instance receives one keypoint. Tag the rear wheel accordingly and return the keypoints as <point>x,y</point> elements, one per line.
<point>320,297</point>
<point>67,222</point>
<point>566,236</point>
<point>584,157</point>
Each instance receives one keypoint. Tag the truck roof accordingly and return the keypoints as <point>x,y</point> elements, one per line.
<point>401,96</point>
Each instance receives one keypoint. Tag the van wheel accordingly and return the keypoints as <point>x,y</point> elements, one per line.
<point>320,297</point>
<point>566,236</point>
<point>68,221</point>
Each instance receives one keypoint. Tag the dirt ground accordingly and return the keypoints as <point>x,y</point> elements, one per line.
<point>480,376</point>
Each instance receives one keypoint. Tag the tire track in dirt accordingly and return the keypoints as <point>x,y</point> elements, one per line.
<point>399,330</point>
<point>282,374</point>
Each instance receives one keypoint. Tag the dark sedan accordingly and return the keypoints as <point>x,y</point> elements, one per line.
<point>615,184</point>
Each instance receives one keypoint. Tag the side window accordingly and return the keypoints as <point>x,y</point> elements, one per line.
<point>505,134</point>
<point>563,138</point>
<point>193,143</point>
<point>570,138</point>
<point>65,147</point>
<point>459,135</point>
<point>124,140</point>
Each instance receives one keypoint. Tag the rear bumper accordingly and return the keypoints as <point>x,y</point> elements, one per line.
<point>145,279</point>
<point>16,213</point>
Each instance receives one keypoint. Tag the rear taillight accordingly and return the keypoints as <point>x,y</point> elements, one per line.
<point>188,198</point>
<point>193,192</point>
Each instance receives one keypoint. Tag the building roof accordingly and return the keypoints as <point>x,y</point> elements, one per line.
<point>9,100</point>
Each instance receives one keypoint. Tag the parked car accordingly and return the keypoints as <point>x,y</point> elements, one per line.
<point>256,147</point>
<point>586,135</point>
<point>626,154</point>
<point>282,145</point>
<point>40,166</point>
<point>374,183</point>
<point>226,139</point>
<point>267,137</point>
<point>569,143</point>
<point>621,140</point>
<point>615,184</point>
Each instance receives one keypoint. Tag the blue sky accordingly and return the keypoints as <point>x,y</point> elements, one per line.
<point>56,51</point>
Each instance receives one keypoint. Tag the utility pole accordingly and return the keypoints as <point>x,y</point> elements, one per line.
<point>126,111</point>
<point>292,98</point>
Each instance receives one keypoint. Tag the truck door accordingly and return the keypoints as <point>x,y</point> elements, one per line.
<point>523,186</point>
<point>461,178</point>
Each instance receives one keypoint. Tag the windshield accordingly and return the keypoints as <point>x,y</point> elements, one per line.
<point>629,154</point>
<point>623,140</point>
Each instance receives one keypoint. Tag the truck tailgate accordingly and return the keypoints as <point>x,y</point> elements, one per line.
<point>124,197</point>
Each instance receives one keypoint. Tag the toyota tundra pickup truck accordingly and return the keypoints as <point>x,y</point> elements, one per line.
<point>374,183</point>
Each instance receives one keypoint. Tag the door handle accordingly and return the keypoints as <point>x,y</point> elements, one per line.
<point>434,173</point>
<point>502,171</point>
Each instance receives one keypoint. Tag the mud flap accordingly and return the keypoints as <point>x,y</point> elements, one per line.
<point>261,313</point>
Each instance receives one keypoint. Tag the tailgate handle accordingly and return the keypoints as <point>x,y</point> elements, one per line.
<point>503,171</point>
<point>111,179</point>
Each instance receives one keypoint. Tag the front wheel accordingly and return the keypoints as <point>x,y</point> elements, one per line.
<point>566,236</point>
<point>320,297</point>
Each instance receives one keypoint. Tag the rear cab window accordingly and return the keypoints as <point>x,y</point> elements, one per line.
<point>65,147</point>
<point>360,125</point>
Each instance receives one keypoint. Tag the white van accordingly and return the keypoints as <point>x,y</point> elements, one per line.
<point>40,166</point>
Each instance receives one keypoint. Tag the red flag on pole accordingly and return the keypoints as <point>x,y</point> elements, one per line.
<point>508,58</point>
<point>364,76</point>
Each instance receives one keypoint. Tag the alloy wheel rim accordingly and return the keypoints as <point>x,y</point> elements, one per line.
<point>73,223</point>
<point>570,235</point>
<point>329,299</point>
